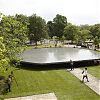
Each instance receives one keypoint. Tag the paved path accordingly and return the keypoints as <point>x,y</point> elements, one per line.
<point>93,83</point>
<point>49,96</point>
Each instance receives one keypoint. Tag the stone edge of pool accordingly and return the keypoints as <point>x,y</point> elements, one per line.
<point>79,63</point>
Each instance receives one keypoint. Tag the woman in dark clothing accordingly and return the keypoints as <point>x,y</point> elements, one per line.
<point>8,82</point>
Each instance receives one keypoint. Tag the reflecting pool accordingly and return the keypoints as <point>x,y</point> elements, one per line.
<point>49,55</point>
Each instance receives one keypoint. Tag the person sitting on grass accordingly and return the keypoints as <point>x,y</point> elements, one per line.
<point>84,72</point>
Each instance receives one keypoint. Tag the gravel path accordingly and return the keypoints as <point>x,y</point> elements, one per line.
<point>93,83</point>
<point>49,96</point>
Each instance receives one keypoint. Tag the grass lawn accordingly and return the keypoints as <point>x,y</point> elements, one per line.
<point>61,82</point>
<point>94,70</point>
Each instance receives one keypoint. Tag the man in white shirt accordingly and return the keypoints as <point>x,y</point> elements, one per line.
<point>85,75</point>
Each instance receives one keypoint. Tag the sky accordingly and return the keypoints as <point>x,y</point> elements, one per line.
<point>77,12</point>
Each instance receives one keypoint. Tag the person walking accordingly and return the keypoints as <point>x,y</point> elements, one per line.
<point>84,72</point>
<point>71,64</point>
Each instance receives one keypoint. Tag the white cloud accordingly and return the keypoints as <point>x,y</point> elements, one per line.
<point>77,11</point>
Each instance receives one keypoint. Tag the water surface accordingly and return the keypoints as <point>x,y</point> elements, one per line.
<point>49,55</point>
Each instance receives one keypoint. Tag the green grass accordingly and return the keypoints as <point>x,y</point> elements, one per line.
<point>61,82</point>
<point>94,70</point>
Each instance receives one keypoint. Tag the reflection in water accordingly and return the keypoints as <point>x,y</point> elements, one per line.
<point>48,55</point>
<point>51,57</point>
<point>87,54</point>
<point>65,54</point>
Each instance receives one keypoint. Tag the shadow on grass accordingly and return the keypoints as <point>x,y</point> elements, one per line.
<point>41,68</point>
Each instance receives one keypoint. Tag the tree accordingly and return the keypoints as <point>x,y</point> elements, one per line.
<point>14,33</point>
<point>37,28</point>
<point>1,15</point>
<point>22,18</point>
<point>96,42</point>
<point>3,60</point>
<point>84,35</point>
<point>62,39</point>
<point>84,27</point>
<point>70,32</point>
<point>59,24</point>
<point>95,30</point>
<point>50,26</point>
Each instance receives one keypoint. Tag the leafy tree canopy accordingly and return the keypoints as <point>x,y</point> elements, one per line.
<point>95,30</point>
<point>14,33</point>
<point>37,28</point>
<point>70,31</point>
<point>59,24</point>
<point>4,61</point>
